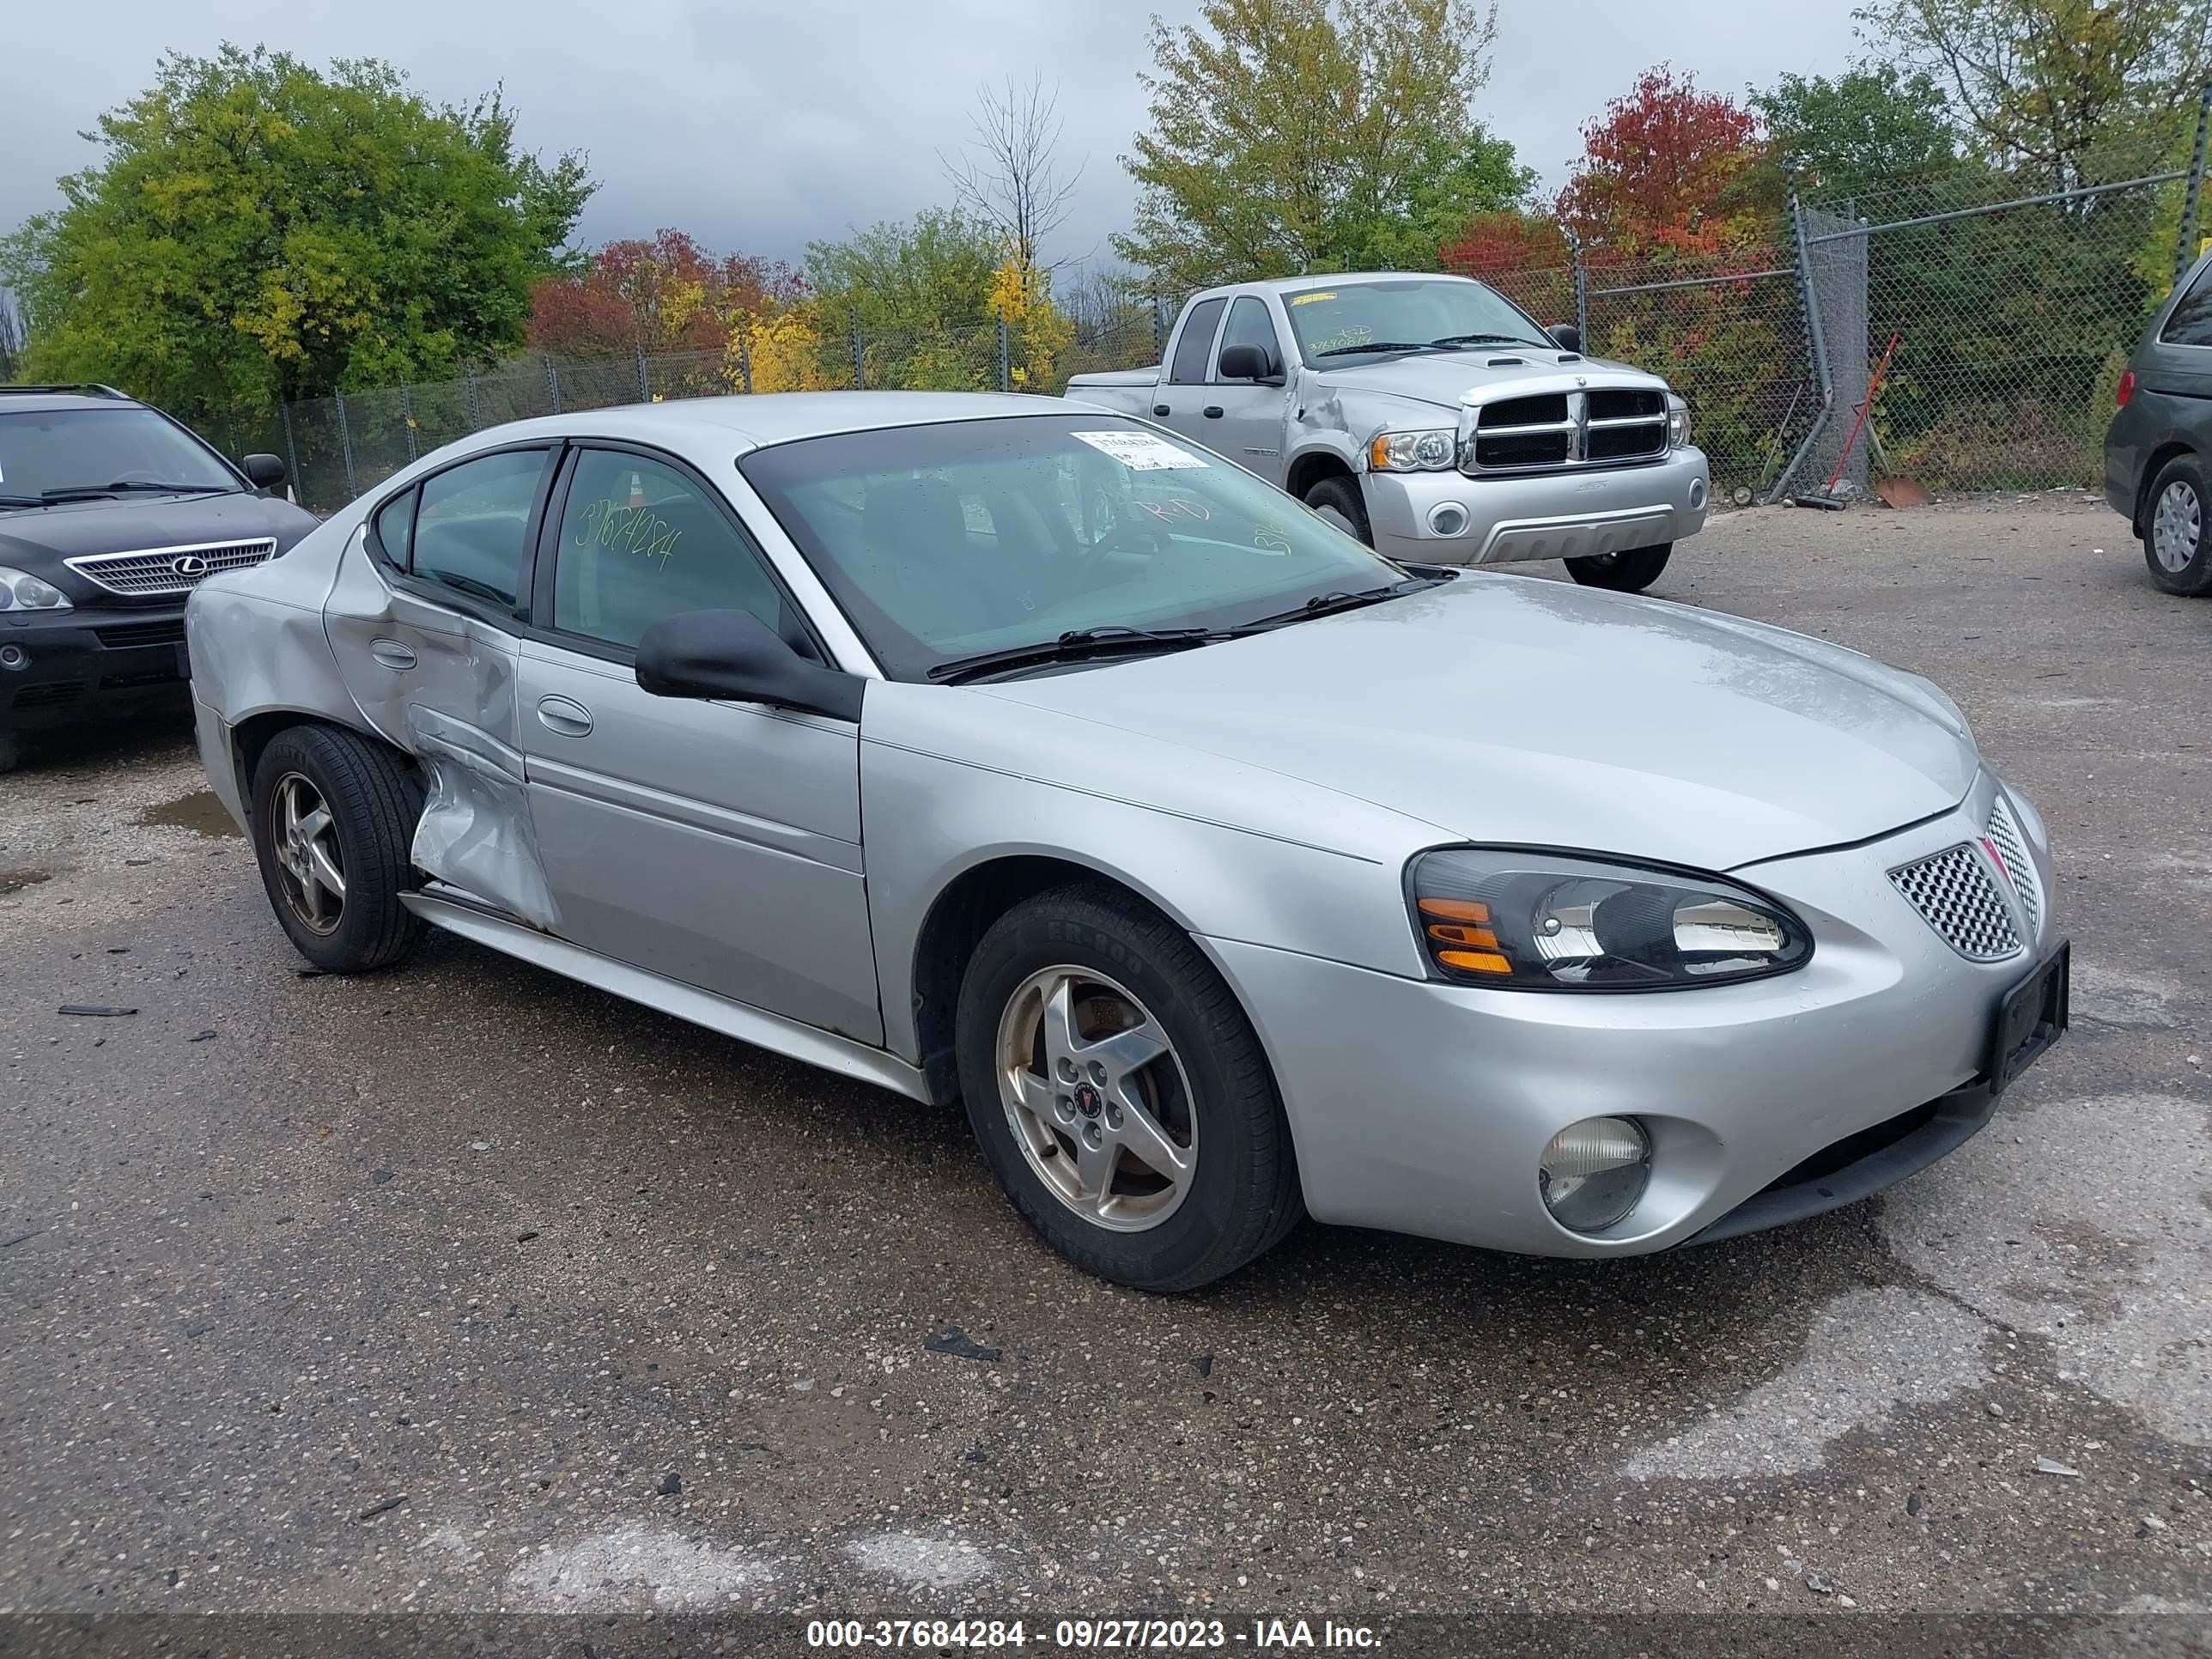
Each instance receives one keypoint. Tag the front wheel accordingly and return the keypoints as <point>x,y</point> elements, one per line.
<point>1120,1094</point>
<point>1338,501</point>
<point>2175,547</point>
<point>1631,572</point>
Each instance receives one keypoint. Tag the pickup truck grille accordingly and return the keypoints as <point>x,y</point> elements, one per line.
<point>1610,426</point>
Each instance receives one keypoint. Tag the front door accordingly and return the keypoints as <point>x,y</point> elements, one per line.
<point>716,843</point>
<point>1249,428</point>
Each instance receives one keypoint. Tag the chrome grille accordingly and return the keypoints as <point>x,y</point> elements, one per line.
<point>156,572</point>
<point>1954,894</point>
<point>1608,426</point>
<point>2020,869</point>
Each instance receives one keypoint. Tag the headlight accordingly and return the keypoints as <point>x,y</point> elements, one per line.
<point>1435,451</point>
<point>1550,922</point>
<point>1678,422</point>
<point>21,590</point>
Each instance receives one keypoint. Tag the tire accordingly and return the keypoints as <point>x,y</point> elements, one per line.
<point>1209,1089</point>
<point>1631,572</point>
<point>11,752</point>
<point>371,806</point>
<point>1338,500</point>
<point>2176,549</point>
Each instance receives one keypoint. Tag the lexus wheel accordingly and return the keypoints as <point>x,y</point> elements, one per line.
<point>1120,1094</point>
<point>333,821</point>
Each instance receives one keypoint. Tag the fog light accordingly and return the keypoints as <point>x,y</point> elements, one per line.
<point>1697,493</point>
<point>1593,1172</point>
<point>13,656</point>
<point>1448,518</point>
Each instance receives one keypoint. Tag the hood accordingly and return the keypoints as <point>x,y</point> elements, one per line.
<point>1510,710</point>
<point>40,538</point>
<point>1447,379</point>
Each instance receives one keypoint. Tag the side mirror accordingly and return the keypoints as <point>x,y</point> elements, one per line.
<point>1568,336</point>
<point>263,471</point>
<point>1248,362</point>
<point>734,654</point>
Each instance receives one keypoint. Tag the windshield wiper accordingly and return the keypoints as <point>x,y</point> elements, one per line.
<point>123,486</point>
<point>1328,605</point>
<point>1485,339</point>
<point>1077,645</point>
<point>1375,345</point>
<point>22,500</point>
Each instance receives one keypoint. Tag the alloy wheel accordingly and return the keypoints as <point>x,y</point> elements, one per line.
<point>1097,1098</point>
<point>304,839</point>
<point>2177,526</point>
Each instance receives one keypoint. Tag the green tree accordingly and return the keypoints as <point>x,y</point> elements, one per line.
<point>1870,133</point>
<point>257,229</point>
<point>918,293</point>
<point>1288,135</point>
<point>2060,91</point>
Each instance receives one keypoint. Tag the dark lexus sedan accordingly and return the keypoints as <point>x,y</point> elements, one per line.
<point>2159,442</point>
<point>111,514</point>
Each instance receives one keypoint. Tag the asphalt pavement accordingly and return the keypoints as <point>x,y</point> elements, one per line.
<point>464,1287</point>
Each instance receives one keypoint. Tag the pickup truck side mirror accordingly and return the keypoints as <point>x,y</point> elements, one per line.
<point>1248,362</point>
<point>734,654</point>
<point>1568,336</point>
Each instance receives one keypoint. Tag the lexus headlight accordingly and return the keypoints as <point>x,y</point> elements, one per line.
<point>1548,921</point>
<point>1678,422</point>
<point>1433,450</point>
<point>21,591</point>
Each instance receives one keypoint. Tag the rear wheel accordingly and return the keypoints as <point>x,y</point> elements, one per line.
<point>1337,500</point>
<point>2175,547</point>
<point>1631,572</point>
<point>1120,1094</point>
<point>333,823</point>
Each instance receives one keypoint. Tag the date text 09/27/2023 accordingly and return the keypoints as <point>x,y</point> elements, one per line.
<point>1093,1635</point>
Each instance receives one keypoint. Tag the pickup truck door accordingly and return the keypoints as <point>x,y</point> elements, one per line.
<point>1243,419</point>
<point>1183,390</point>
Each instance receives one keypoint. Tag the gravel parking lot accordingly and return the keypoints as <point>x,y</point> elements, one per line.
<point>466,1287</point>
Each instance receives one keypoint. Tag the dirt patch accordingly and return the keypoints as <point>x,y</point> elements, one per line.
<point>199,811</point>
<point>15,881</point>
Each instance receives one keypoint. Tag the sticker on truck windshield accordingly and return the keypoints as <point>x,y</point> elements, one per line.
<point>1140,451</point>
<point>1311,299</point>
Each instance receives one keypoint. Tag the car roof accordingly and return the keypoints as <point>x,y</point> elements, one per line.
<point>759,419</point>
<point>1333,279</point>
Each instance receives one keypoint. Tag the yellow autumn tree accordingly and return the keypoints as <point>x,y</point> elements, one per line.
<point>1038,333</point>
<point>783,345</point>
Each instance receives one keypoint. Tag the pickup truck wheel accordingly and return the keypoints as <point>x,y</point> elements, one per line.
<point>1631,572</point>
<point>1120,1094</point>
<point>2176,547</point>
<point>1338,501</point>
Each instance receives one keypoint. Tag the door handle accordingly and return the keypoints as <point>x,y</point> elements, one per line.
<point>564,715</point>
<point>1211,411</point>
<point>1162,408</point>
<point>391,653</point>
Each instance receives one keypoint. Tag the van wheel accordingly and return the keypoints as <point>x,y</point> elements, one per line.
<point>333,823</point>
<point>1120,1095</point>
<point>1631,572</point>
<point>1337,500</point>
<point>2175,547</point>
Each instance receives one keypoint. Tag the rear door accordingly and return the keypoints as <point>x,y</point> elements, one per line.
<point>1243,419</point>
<point>716,843</point>
<point>1183,389</point>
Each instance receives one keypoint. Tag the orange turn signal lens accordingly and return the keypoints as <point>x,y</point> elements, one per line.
<point>1455,909</point>
<point>1451,935</point>
<point>1475,962</point>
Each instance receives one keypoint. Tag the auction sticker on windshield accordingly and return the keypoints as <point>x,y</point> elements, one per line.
<point>1140,451</point>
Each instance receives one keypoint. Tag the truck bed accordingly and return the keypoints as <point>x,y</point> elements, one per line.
<point>1124,391</point>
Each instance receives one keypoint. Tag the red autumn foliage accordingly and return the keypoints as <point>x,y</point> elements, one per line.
<point>662,295</point>
<point>1508,240</point>
<point>1670,168</point>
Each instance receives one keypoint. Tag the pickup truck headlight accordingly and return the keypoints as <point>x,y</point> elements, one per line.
<point>1553,921</point>
<point>1434,451</point>
<point>1678,422</point>
<point>21,591</point>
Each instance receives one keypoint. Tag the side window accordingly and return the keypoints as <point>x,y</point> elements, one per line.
<point>2190,324</point>
<point>1249,325</point>
<point>394,528</point>
<point>1194,345</point>
<point>472,530</point>
<point>641,541</point>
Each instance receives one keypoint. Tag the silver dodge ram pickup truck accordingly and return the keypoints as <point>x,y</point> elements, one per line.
<point>1432,418</point>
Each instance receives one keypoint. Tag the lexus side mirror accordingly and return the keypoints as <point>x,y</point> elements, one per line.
<point>263,471</point>
<point>1248,362</point>
<point>1568,336</point>
<point>734,654</point>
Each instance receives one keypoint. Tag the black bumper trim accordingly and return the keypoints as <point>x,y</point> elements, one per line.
<point>1959,1116</point>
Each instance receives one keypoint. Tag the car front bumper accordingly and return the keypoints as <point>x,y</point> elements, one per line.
<point>1423,1108</point>
<point>59,667</point>
<point>1550,515</point>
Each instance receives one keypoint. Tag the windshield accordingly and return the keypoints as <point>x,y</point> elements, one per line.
<point>943,542</point>
<point>1341,325</point>
<point>67,450</point>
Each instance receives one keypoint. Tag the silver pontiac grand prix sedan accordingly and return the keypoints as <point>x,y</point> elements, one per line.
<point>1002,750</point>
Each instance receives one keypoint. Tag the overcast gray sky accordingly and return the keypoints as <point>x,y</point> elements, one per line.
<point>758,124</point>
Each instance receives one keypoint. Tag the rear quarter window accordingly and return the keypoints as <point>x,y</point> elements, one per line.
<point>2189,323</point>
